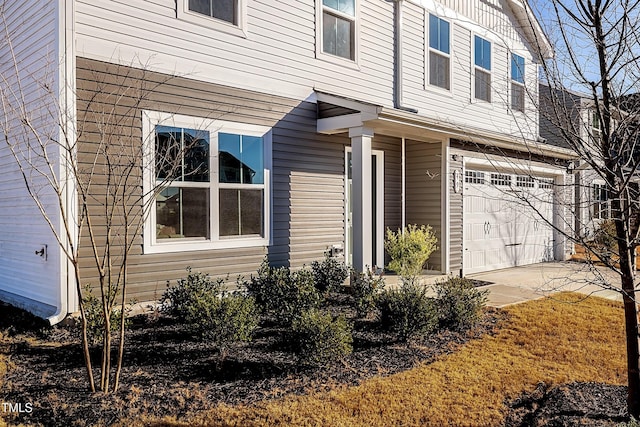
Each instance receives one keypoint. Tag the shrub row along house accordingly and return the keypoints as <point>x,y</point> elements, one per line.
<point>292,127</point>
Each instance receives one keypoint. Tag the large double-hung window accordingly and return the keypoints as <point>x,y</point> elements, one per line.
<point>439,52</point>
<point>482,62</point>
<point>339,28</point>
<point>206,183</point>
<point>517,82</point>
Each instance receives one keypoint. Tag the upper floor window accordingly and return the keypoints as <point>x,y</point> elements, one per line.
<point>229,16</point>
<point>600,202</point>
<point>226,10</point>
<point>482,62</point>
<point>439,52</point>
<point>207,182</point>
<point>517,82</point>
<point>339,28</point>
<point>596,131</point>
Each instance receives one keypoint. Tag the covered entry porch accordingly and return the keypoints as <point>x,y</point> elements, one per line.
<point>395,174</point>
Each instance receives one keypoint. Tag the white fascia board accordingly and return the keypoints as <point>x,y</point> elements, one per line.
<point>531,27</point>
<point>514,166</point>
<point>339,124</point>
<point>479,136</point>
<point>351,104</point>
<point>522,13</point>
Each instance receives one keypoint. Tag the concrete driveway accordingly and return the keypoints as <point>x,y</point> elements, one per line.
<point>525,283</point>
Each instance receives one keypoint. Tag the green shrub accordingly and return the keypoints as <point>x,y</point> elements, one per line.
<point>178,300</point>
<point>407,311</point>
<point>409,250</point>
<point>329,273</point>
<point>631,423</point>
<point>283,294</point>
<point>319,339</point>
<point>605,236</point>
<point>223,319</point>
<point>364,287</point>
<point>93,310</point>
<point>459,303</point>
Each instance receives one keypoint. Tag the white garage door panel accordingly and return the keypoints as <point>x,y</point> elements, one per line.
<point>501,229</point>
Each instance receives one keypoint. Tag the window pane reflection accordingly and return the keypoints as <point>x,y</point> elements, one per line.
<point>182,212</point>
<point>241,212</point>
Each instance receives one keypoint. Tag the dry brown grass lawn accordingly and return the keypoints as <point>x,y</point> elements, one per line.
<point>554,340</point>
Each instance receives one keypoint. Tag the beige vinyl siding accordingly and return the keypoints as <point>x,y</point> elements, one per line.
<point>455,215</point>
<point>307,180</point>
<point>278,54</point>
<point>423,190</point>
<point>392,148</point>
<point>30,80</point>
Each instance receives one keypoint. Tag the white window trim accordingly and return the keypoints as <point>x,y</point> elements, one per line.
<point>183,13</point>
<point>428,49</point>
<point>335,59</point>
<point>150,244</point>
<point>475,67</point>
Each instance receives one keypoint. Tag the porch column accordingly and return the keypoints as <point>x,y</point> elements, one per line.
<point>361,198</point>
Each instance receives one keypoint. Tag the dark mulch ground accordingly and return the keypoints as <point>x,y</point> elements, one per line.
<point>168,373</point>
<point>568,405</point>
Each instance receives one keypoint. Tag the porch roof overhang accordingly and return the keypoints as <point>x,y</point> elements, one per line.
<point>404,124</point>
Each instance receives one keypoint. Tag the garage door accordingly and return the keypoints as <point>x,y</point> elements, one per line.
<point>503,225</point>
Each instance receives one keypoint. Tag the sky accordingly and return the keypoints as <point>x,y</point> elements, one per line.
<point>583,47</point>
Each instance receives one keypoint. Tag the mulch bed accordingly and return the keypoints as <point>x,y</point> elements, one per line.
<point>575,404</point>
<point>168,373</point>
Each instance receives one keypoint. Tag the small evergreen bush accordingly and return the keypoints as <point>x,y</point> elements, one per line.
<point>283,294</point>
<point>93,311</point>
<point>319,339</point>
<point>364,287</point>
<point>407,311</point>
<point>459,303</point>
<point>605,236</point>
<point>409,250</point>
<point>329,274</point>
<point>178,300</point>
<point>223,319</point>
<point>631,423</point>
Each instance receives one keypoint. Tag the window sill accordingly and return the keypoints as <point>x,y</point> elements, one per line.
<point>212,23</point>
<point>206,245</point>
<point>438,90</point>
<point>338,60</point>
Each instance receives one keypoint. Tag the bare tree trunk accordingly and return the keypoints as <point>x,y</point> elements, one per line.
<point>123,274</point>
<point>633,349</point>
<point>85,340</point>
<point>627,269</point>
